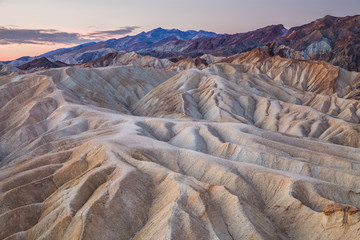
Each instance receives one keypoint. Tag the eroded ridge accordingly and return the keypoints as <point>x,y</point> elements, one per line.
<point>226,152</point>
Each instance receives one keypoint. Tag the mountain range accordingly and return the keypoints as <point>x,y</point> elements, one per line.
<point>332,39</point>
<point>92,51</point>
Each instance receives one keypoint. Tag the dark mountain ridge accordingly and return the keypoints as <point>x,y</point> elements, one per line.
<point>41,63</point>
<point>332,39</point>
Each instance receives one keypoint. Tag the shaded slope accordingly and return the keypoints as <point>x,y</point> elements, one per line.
<point>332,39</point>
<point>41,63</point>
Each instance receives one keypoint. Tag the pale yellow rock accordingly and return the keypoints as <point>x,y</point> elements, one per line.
<point>239,150</point>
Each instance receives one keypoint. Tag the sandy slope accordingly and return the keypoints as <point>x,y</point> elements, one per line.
<point>234,151</point>
<point>128,59</point>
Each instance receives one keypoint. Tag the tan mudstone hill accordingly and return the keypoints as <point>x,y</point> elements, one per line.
<point>253,147</point>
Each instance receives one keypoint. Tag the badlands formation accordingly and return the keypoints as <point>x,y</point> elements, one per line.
<point>249,147</point>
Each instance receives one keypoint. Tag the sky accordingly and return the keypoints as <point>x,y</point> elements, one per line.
<point>33,27</point>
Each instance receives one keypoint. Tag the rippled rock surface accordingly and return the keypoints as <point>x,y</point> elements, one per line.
<point>252,147</point>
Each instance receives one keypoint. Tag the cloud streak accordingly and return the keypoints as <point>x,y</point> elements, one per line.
<point>10,35</point>
<point>112,33</point>
<point>36,36</point>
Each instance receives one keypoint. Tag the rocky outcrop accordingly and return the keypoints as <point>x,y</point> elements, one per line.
<point>336,215</point>
<point>128,59</point>
<point>332,39</point>
<point>40,64</point>
<point>189,63</point>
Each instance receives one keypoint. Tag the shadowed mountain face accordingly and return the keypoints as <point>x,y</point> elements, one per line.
<point>332,39</point>
<point>41,63</point>
<point>249,147</point>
